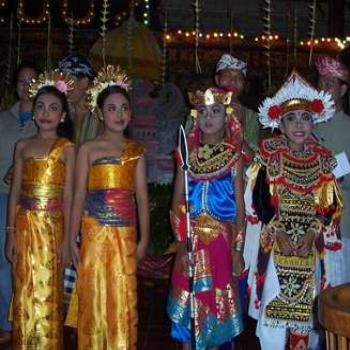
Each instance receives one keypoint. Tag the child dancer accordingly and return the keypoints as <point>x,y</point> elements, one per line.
<point>38,219</point>
<point>110,176</point>
<point>217,221</point>
<point>298,203</point>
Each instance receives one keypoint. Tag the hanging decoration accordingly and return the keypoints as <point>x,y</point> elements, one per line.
<point>9,58</point>
<point>48,46</point>
<point>19,37</point>
<point>289,18</point>
<point>295,34</point>
<point>90,15</point>
<point>197,23</point>
<point>103,29</point>
<point>267,44</point>
<point>130,36</point>
<point>43,17</point>
<point>231,27</point>
<point>146,13</point>
<point>71,34</point>
<point>312,26</point>
<point>164,51</point>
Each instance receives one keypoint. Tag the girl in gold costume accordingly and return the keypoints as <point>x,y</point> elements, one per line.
<point>38,219</point>
<point>110,176</point>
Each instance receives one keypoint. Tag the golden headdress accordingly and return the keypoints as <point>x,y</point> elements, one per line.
<point>209,97</point>
<point>62,82</point>
<point>109,76</point>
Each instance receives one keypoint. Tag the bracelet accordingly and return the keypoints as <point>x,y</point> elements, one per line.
<point>10,228</point>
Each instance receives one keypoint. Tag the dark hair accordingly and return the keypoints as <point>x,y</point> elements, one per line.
<point>109,90</point>
<point>66,128</point>
<point>22,66</point>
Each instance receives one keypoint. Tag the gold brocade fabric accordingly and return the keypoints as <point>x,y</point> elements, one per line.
<point>106,285</point>
<point>121,175</point>
<point>107,317</point>
<point>37,300</point>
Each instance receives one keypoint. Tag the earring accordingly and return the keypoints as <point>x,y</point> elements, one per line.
<point>33,118</point>
<point>62,120</point>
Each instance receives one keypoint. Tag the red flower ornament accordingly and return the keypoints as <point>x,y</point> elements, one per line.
<point>317,106</point>
<point>274,112</point>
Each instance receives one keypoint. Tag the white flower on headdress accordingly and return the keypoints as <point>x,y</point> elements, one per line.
<point>296,94</point>
<point>229,62</point>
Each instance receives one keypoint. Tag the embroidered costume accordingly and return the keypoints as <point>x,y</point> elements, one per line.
<point>37,300</point>
<point>213,216</point>
<point>292,192</point>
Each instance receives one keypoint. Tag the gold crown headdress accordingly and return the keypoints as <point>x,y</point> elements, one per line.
<point>209,97</point>
<point>62,82</point>
<point>109,76</point>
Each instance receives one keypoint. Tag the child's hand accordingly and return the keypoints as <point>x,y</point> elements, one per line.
<point>74,251</point>
<point>11,248</point>
<point>141,251</point>
<point>238,264</point>
<point>305,244</point>
<point>284,243</point>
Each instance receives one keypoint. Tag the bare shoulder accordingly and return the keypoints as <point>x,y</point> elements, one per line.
<point>88,146</point>
<point>24,142</point>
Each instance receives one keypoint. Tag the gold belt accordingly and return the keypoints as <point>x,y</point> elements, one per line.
<point>206,228</point>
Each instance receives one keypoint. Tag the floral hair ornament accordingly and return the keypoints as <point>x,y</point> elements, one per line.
<point>62,82</point>
<point>109,76</point>
<point>296,94</point>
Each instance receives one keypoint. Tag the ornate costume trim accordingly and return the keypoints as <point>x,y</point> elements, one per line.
<point>301,172</point>
<point>212,161</point>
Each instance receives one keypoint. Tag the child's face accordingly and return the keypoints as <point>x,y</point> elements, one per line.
<point>24,78</point>
<point>231,79</point>
<point>334,86</point>
<point>48,112</point>
<point>296,126</point>
<point>116,112</point>
<point>211,118</point>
